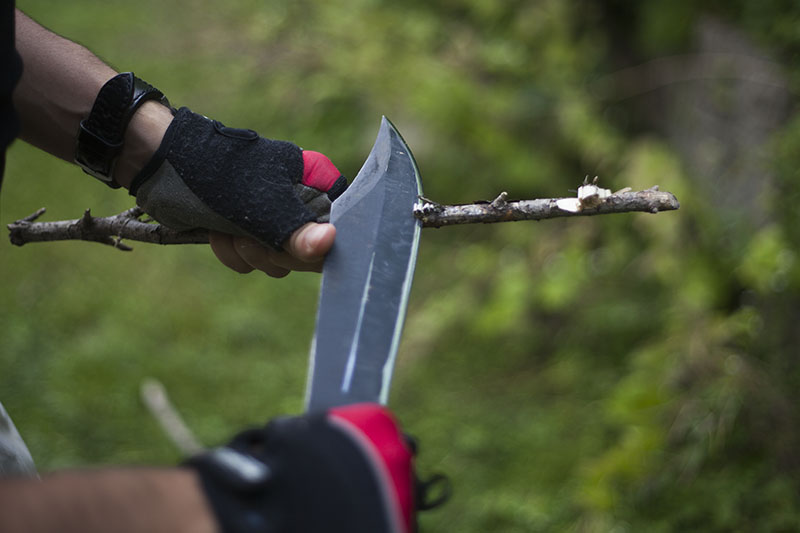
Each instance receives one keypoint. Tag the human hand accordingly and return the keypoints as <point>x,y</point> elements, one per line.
<point>349,469</point>
<point>231,181</point>
<point>304,251</point>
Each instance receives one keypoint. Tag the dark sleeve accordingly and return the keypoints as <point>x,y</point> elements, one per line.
<point>10,71</point>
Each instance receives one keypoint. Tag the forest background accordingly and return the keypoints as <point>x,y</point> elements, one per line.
<point>617,373</point>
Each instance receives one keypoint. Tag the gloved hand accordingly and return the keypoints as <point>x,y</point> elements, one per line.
<point>348,470</point>
<point>206,175</point>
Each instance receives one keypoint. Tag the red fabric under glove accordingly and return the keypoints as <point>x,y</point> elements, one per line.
<point>378,434</point>
<point>318,171</point>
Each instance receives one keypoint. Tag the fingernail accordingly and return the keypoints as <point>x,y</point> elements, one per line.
<point>315,235</point>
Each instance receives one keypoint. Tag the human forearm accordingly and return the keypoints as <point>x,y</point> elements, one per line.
<point>120,500</point>
<point>57,90</point>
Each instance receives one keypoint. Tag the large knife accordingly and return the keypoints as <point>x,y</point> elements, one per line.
<point>366,279</point>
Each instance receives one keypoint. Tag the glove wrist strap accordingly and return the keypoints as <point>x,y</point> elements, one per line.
<point>233,481</point>
<point>101,134</point>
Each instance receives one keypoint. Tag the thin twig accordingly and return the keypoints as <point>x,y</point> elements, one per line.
<point>130,225</point>
<point>155,398</point>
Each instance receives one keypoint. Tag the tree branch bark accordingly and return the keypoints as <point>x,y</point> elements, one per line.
<point>133,225</point>
<point>434,215</point>
<point>128,225</point>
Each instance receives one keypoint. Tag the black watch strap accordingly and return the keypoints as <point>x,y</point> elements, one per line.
<point>101,134</point>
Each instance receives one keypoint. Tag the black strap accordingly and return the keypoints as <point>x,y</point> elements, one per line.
<point>101,134</point>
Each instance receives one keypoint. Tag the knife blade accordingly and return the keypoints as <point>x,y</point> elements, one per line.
<point>366,279</point>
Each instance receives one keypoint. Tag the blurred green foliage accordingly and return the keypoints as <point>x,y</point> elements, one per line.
<point>620,373</point>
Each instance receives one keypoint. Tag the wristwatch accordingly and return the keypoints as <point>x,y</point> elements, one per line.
<point>101,134</point>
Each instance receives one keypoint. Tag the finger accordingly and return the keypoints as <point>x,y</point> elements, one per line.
<point>222,246</point>
<point>311,242</point>
<point>285,260</point>
<point>269,259</point>
<point>260,257</point>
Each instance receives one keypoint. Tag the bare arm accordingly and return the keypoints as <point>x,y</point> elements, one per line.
<point>122,500</point>
<point>58,86</point>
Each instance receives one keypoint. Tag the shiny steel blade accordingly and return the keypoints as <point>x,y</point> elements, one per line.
<point>366,279</point>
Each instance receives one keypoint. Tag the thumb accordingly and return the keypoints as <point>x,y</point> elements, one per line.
<point>311,242</point>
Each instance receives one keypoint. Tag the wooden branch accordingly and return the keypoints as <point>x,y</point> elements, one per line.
<point>130,225</point>
<point>652,200</point>
<point>106,230</point>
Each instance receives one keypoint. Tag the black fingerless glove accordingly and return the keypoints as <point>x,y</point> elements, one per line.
<point>346,471</point>
<point>206,175</point>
